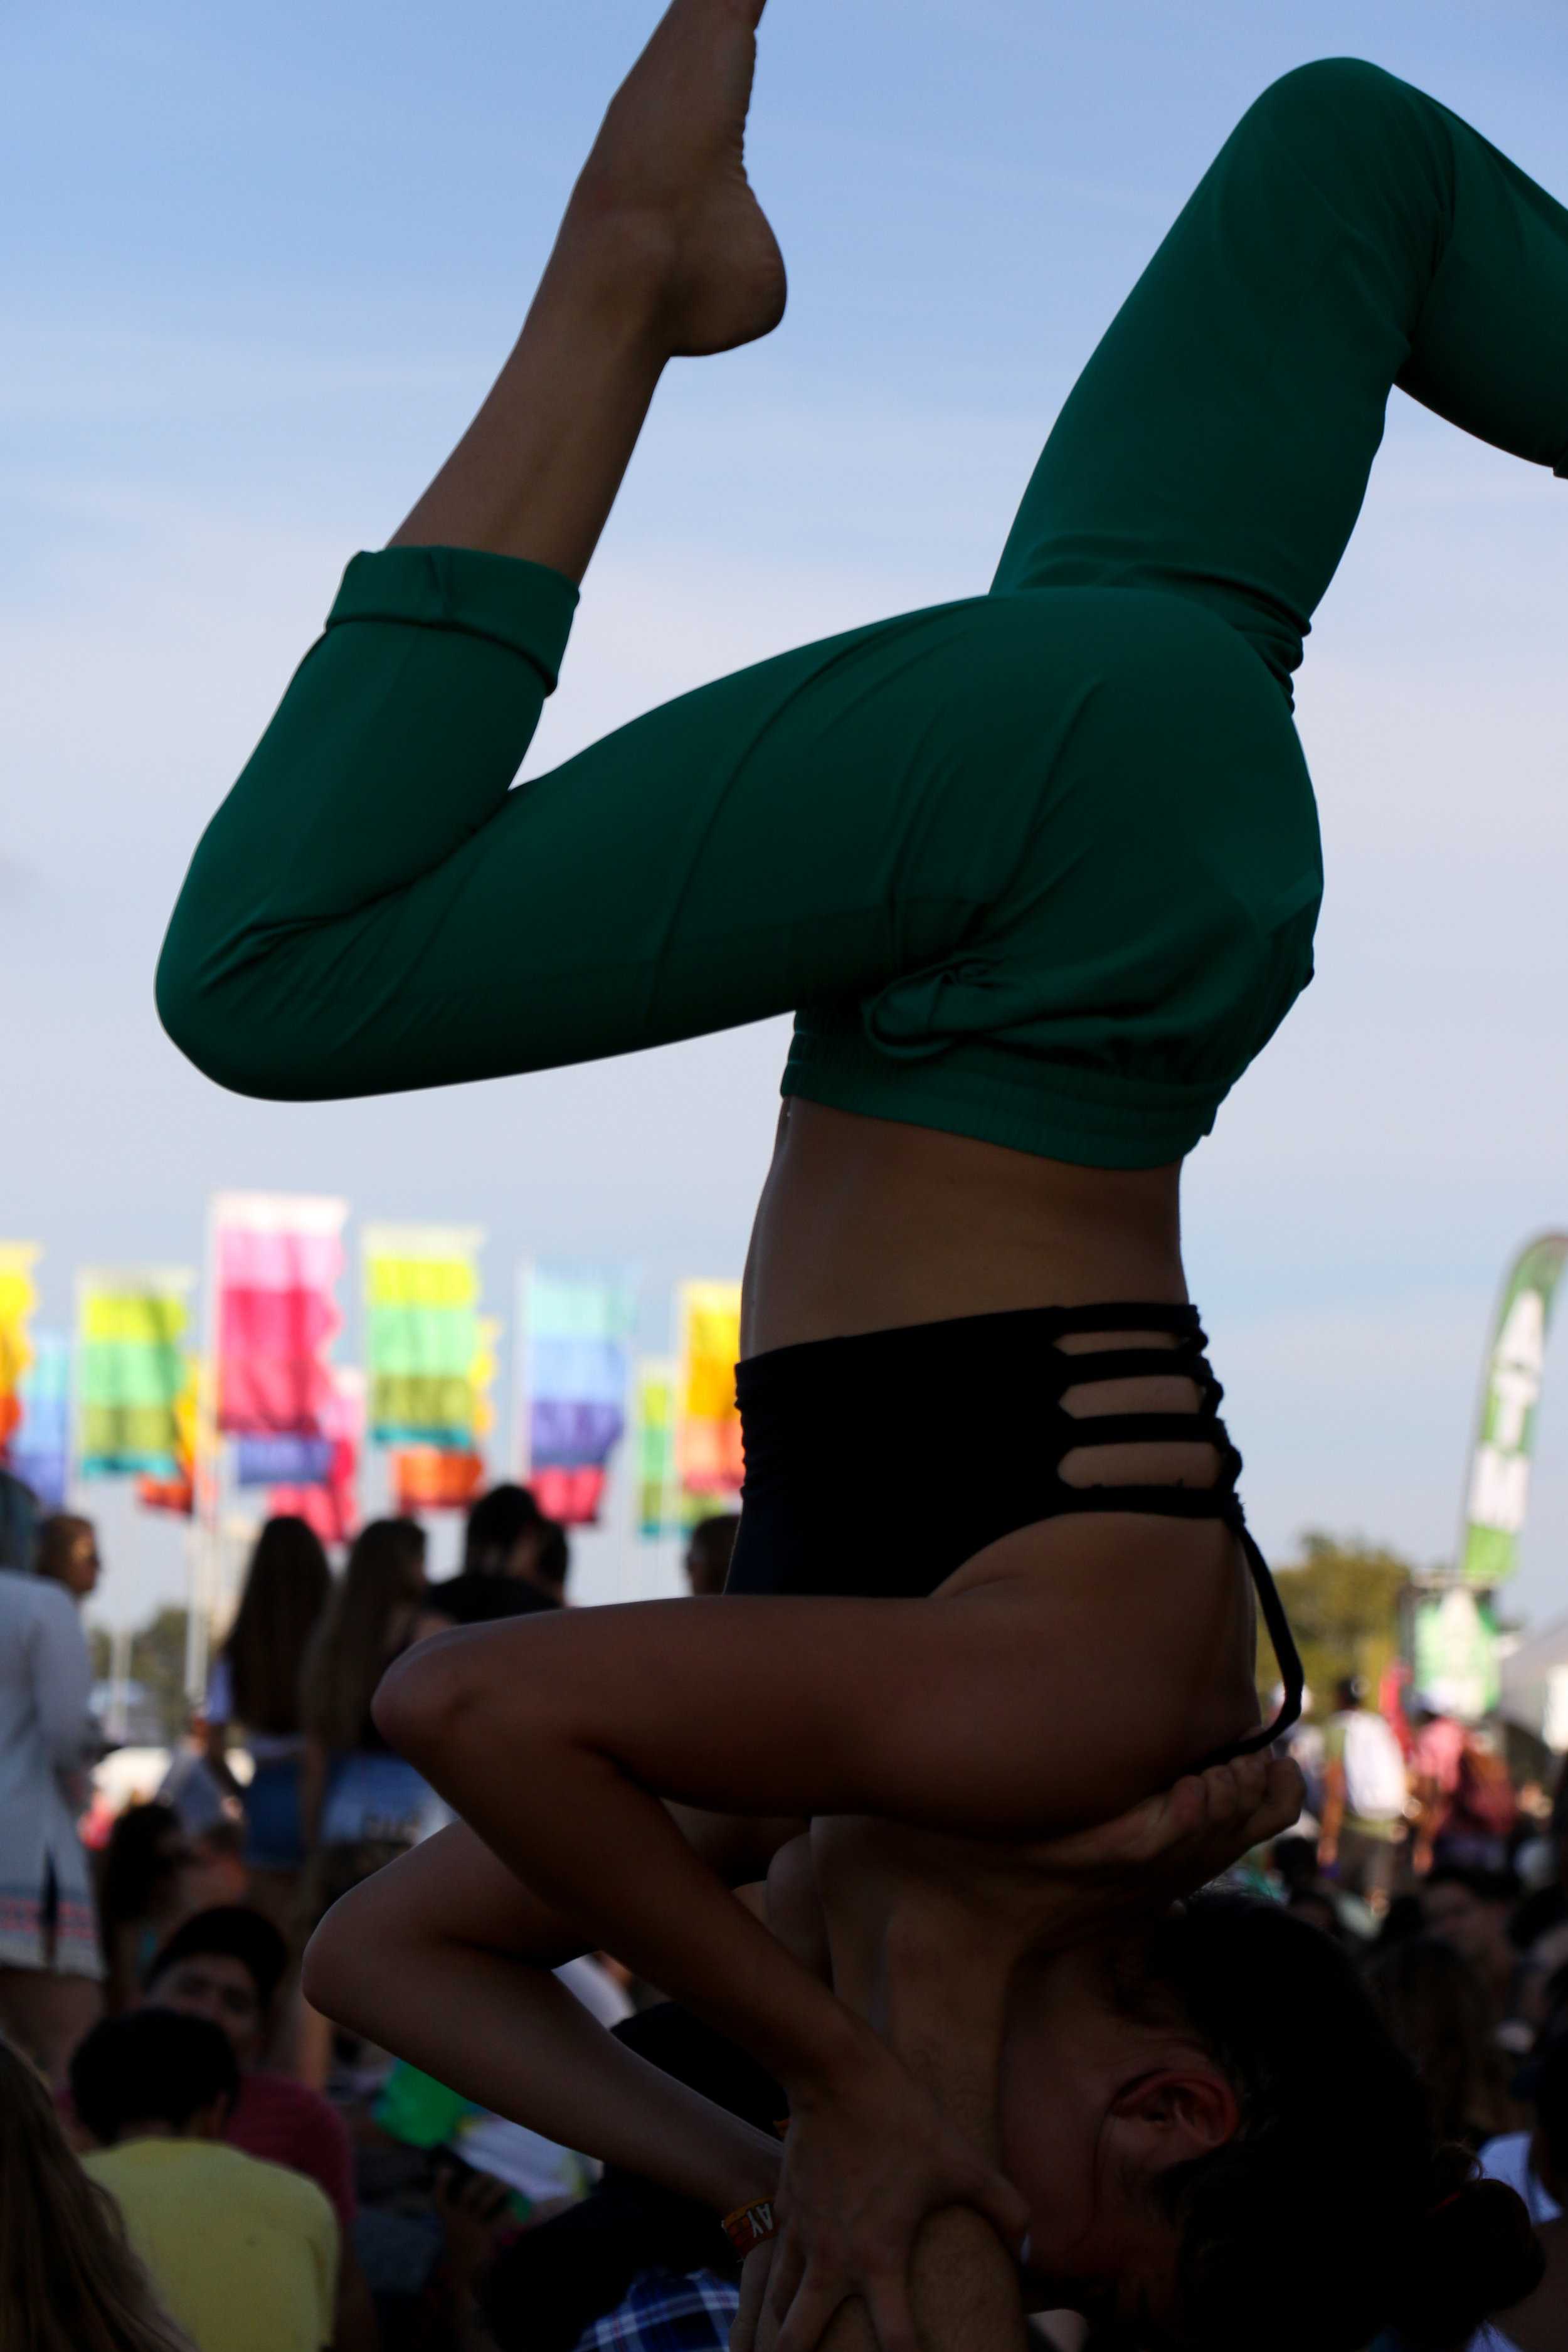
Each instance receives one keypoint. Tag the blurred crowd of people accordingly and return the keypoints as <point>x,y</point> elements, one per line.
<point>190,2156</point>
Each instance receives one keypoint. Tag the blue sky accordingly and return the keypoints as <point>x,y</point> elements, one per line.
<point>263,267</point>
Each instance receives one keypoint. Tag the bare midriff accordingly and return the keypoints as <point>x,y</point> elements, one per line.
<point>867,1224</point>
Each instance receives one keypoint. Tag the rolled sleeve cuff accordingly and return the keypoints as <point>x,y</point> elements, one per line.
<point>525,606</point>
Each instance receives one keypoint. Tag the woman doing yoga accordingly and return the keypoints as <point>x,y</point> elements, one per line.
<point>1038,872</point>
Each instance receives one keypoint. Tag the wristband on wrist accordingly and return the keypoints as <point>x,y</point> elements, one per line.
<point>749,2226</point>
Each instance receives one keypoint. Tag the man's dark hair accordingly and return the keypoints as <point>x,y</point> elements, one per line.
<point>154,2066</point>
<point>495,1522</point>
<point>1349,1691</point>
<point>230,1931</point>
<point>1335,2142</point>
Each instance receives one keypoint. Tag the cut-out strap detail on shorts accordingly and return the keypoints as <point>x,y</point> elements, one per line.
<point>1187,1359</point>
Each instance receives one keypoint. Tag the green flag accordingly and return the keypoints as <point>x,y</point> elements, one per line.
<point>1505,1435</point>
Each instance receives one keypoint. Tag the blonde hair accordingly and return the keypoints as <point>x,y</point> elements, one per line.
<point>68,2281</point>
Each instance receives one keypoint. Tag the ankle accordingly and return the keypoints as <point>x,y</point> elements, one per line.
<point>614,268</point>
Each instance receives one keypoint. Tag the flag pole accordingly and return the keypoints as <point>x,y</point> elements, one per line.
<point>206,1453</point>
<point>520,1451</point>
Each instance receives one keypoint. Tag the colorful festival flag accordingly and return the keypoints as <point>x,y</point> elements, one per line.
<point>17,1300</point>
<point>177,1492</point>
<point>575,1372</point>
<point>39,1452</point>
<point>659,1494</point>
<point>430,1478</point>
<point>448,1477</point>
<point>328,1502</point>
<point>707,1454</point>
<point>276,1258</point>
<point>131,1367</point>
<point>1499,1487</point>
<point>422,1334</point>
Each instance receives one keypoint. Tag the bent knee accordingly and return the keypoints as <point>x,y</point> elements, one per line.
<point>424,1694</point>
<point>332,1958</point>
<point>1328,93</point>
<point>1357,134</point>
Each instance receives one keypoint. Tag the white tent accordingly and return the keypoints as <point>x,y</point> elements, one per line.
<point>1534,1677</point>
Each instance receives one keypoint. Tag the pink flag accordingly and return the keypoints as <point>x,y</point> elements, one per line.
<point>333,1507</point>
<point>277,1257</point>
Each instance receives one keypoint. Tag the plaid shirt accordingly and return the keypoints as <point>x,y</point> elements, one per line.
<point>665,2313</point>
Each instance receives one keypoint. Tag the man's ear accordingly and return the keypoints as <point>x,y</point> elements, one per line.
<point>1181,2111</point>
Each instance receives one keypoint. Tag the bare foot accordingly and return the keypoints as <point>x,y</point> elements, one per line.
<point>668,173</point>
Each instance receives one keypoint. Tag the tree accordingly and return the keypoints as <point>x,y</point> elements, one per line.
<point>1343,1600</point>
<point>158,1664</point>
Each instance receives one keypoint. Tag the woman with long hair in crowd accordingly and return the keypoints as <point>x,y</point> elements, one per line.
<point>255,1682</point>
<point>361,1802</point>
<point>68,2281</point>
<point>1037,871</point>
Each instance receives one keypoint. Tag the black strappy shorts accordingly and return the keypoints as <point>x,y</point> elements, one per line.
<point>877,1465</point>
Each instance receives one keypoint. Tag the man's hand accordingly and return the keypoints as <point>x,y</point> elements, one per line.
<point>1016,1898</point>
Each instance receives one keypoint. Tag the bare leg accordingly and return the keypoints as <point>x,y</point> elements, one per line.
<point>664,253</point>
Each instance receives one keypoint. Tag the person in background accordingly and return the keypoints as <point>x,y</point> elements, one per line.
<point>360,1805</point>
<point>1364,1793</point>
<point>151,1878</point>
<point>355,1792</point>
<point>68,2281</point>
<point>254,1684</point>
<point>228,1965</point>
<point>1540,2324</point>
<point>52,1967</point>
<point>202,1790</point>
<point>1471,1910</point>
<point>1521,2157</point>
<point>1438,1744</point>
<point>245,2253</point>
<point>506,1535</point>
<point>707,1553</point>
<point>67,1554</point>
<point>1483,1810</point>
<point>1434,2008</point>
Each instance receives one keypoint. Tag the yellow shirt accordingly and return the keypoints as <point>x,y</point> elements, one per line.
<point>245,2254</point>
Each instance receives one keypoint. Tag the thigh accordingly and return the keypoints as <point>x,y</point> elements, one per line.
<point>1073,1668</point>
<point>1351,234</point>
